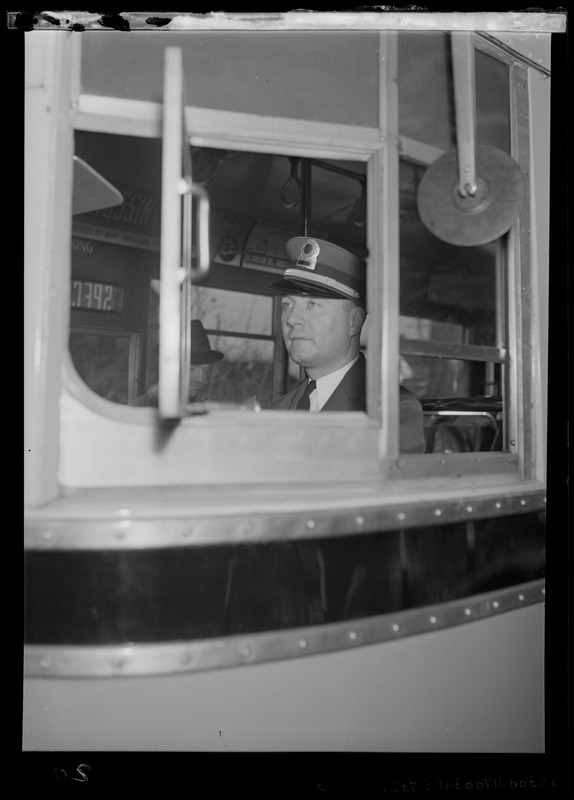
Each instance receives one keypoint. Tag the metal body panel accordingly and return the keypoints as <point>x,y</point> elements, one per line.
<point>443,692</point>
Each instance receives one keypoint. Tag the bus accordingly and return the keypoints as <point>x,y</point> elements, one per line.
<point>219,576</point>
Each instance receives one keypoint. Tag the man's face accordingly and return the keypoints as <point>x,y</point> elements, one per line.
<point>197,377</point>
<point>318,332</point>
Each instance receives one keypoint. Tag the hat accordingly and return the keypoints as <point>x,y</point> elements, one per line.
<point>201,352</point>
<point>322,269</point>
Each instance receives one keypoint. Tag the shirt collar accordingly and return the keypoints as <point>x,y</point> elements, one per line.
<point>326,385</point>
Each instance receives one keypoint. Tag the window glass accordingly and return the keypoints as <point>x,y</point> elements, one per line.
<point>244,374</point>
<point>426,99</point>
<point>452,298</point>
<point>327,76</point>
<point>448,293</point>
<point>107,362</point>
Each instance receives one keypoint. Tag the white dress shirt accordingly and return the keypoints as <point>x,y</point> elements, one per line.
<point>326,385</point>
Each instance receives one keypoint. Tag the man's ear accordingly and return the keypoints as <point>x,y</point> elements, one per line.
<point>358,317</point>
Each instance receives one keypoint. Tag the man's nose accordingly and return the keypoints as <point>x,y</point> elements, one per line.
<point>295,316</point>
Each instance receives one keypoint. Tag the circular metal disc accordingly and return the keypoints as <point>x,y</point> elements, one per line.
<point>474,219</point>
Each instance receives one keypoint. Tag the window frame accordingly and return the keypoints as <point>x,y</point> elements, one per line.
<point>381,147</point>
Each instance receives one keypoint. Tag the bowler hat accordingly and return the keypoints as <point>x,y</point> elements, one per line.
<point>322,269</point>
<point>201,352</point>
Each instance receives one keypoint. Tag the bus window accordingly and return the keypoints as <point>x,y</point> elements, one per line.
<point>258,202</point>
<point>453,299</point>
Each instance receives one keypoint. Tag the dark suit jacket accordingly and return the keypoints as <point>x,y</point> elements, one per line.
<point>350,396</point>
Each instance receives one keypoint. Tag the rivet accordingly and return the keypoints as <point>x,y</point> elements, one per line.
<point>45,663</point>
<point>246,528</point>
<point>469,509</point>
<point>302,644</point>
<point>46,536</point>
<point>395,627</point>
<point>521,597</point>
<point>187,533</point>
<point>352,635</point>
<point>118,663</point>
<point>246,652</point>
<point>360,520</point>
<point>523,502</point>
<point>401,516</point>
<point>499,505</point>
<point>468,612</point>
<point>310,524</point>
<point>543,591</point>
<point>432,620</point>
<point>495,604</point>
<point>443,461</point>
<point>437,512</point>
<point>544,499</point>
<point>185,658</point>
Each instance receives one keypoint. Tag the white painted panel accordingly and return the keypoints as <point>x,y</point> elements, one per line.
<point>475,688</point>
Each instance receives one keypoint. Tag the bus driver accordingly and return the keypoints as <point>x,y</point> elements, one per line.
<point>322,314</point>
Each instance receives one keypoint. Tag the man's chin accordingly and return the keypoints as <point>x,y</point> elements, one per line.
<point>300,351</point>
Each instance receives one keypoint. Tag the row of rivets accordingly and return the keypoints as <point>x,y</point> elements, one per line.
<point>187,658</point>
<point>249,528</point>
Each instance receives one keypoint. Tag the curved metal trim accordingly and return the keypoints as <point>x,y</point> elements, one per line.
<point>127,531</point>
<point>194,656</point>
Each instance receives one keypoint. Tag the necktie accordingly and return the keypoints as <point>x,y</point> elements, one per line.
<point>304,403</point>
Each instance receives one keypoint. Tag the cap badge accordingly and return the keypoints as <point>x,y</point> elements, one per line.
<point>308,255</point>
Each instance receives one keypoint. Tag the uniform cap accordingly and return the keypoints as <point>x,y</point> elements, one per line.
<point>322,269</point>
